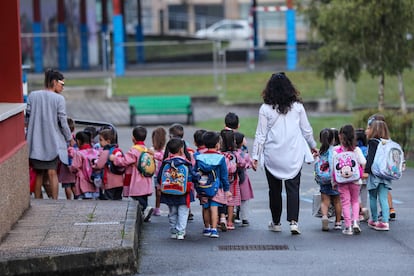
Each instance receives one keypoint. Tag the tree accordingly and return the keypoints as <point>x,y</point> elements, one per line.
<point>357,34</point>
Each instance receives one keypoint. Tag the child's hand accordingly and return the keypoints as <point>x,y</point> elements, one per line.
<point>229,194</point>
<point>111,157</point>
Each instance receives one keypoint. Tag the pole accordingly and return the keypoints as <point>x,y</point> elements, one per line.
<point>290,37</point>
<point>118,38</point>
<point>84,36</point>
<point>139,36</point>
<point>62,35</point>
<point>37,40</point>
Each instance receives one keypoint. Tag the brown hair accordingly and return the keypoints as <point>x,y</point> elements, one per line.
<point>379,129</point>
<point>108,134</point>
<point>159,138</point>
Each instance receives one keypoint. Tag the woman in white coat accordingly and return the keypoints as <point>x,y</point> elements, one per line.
<point>283,141</point>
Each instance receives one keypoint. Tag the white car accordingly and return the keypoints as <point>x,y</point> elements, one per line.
<point>226,30</point>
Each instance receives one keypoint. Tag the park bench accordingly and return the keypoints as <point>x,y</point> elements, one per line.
<point>160,105</point>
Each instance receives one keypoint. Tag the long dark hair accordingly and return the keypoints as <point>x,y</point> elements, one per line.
<point>326,137</point>
<point>347,137</point>
<point>52,75</point>
<point>280,93</point>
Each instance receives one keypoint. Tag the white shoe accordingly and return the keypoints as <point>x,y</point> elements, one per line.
<point>294,228</point>
<point>325,224</point>
<point>275,227</point>
<point>355,227</point>
<point>180,235</point>
<point>347,231</point>
<point>147,213</point>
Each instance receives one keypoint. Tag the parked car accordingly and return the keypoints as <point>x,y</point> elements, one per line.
<point>226,30</point>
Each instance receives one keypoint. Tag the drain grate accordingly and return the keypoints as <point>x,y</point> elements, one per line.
<point>59,249</point>
<point>253,247</point>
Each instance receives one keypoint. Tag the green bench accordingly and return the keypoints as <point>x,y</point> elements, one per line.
<point>160,105</point>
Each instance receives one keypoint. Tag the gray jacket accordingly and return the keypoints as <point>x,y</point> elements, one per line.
<point>47,127</point>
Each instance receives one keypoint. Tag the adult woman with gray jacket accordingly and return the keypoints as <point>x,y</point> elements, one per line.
<point>48,133</point>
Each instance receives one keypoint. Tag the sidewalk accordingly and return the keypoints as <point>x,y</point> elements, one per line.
<point>68,237</point>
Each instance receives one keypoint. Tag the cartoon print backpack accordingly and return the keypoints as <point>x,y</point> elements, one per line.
<point>111,166</point>
<point>174,177</point>
<point>231,162</point>
<point>388,160</point>
<point>322,168</point>
<point>346,167</point>
<point>94,176</point>
<point>146,162</point>
<point>207,183</point>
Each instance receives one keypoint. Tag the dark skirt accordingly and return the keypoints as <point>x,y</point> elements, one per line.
<point>328,190</point>
<point>44,165</point>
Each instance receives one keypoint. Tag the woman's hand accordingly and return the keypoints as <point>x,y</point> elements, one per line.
<point>254,164</point>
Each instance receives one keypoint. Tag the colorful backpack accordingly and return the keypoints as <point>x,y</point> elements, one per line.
<point>346,167</point>
<point>94,176</point>
<point>207,184</point>
<point>174,176</point>
<point>111,166</point>
<point>231,162</point>
<point>322,168</point>
<point>146,162</point>
<point>388,160</point>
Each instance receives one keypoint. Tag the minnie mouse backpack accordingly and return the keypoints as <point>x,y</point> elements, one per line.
<point>346,168</point>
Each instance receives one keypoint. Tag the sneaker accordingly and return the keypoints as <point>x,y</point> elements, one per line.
<point>382,226</point>
<point>338,226</point>
<point>230,226</point>
<point>392,213</point>
<point>275,227</point>
<point>180,235</point>
<point>347,231</point>
<point>190,216</point>
<point>206,232</point>
<point>214,233</point>
<point>245,223</point>
<point>147,213</point>
<point>355,227</point>
<point>157,212</point>
<point>294,228</point>
<point>223,224</point>
<point>372,224</point>
<point>365,214</point>
<point>325,224</point>
<point>173,236</point>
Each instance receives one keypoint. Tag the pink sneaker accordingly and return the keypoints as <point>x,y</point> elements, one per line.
<point>157,212</point>
<point>372,224</point>
<point>382,226</point>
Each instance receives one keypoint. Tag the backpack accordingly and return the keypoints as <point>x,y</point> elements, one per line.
<point>388,160</point>
<point>111,166</point>
<point>206,183</point>
<point>322,168</point>
<point>345,166</point>
<point>94,176</point>
<point>146,162</point>
<point>174,177</point>
<point>231,165</point>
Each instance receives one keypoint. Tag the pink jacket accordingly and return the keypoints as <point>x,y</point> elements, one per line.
<point>65,175</point>
<point>139,185</point>
<point>110,180</point>
<point>82,185</point>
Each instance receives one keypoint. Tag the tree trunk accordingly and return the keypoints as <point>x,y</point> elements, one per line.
<point>403,100</point>
<point>381,93</point>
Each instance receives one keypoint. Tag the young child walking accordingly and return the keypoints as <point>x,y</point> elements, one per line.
<point>113,176</point>
<point>175,178</point>
<point>140,186</point>
<point>65,175</point>
<point>378,187</point>
<point>323,177</point>
<point>212,160</point>
<point>246,190</point>
<point>348,169</point>
<point>159,139</point>
<point>81,164</point>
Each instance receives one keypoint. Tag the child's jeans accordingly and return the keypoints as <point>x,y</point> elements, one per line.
<point>381,192</point>
<point>178,216</point>
<point>349,194</point>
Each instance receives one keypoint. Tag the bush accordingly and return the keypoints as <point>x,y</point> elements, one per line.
<point>399,125</point>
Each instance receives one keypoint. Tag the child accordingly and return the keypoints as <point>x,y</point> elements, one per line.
<point>84,188</point>
<point>140,186</point>
<point>228,149</point>
<point>158,144</point>
<point>246,190</point>
<point>349,191</point>
<point>231,121</point>
<point>329,194</point>
<point>377,187</point>
<point>216,161</point>
<point>65,175</point>
<point>171,174</point>
<point>113,178</point>
<point>363,193</point>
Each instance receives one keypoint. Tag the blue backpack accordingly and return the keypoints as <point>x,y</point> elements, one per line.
<point>322,169</point>
<point>175,176</point>
<point>206,184</point>
<point>388,160</point>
